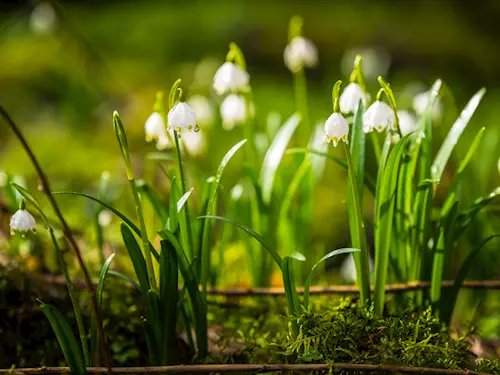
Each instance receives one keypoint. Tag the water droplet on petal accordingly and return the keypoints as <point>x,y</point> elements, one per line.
<point>196,129</point>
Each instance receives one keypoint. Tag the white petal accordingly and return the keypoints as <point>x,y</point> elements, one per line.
<point>420,102</point>
<point>233,111</point>
<point>336,128</point>
<point>182,117</point>
<point>350,97</point>
<point>163,142</point>
<point>22,221</point>
<point>203,109</point>
<point>300,53</point>
<point>230,78</point>
<point>407,122</point>
<point>194,143</point>
<point>378,116</point>
<point>154,127</point>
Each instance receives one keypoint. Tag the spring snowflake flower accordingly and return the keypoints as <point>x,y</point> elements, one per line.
<point>194,143</point>
<point>163,142</point>
<point>22,221</point>
<point>203,109</point>
<point>154,127</point>
<point>378,116</point>
<point>233,111</point>
<point>230,78</point>
<point>300,53</point>
<point>182,117</point>
<point>420,102</point>
<point>336,128</point>
<point>407,124</point>
<point>104,218</point>
<point>350,97</point>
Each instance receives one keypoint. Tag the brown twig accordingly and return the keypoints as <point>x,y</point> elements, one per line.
<point>205,369</point>
<point>67,232</point>
<point>318,290</point>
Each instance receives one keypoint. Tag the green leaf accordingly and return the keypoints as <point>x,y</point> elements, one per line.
<point>66,339</point>
<point>384,210</point>
<point>182,201</point>
<point>113,210</point>
<point>454,134</point>
<point>137,258</point>
<point>292,298</point>
<point>449,299</point>
<point>252,233</point>
<point>210,210</point>
<point>154,200</point>
<point>358,148</point>
<point>126,278</point>
<point>331,254</point>
<point>274,155</point>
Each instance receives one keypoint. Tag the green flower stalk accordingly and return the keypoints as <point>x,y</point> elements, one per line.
<point>122,141</point>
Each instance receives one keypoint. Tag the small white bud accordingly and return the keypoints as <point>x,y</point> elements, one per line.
<point>233,111</point>
<point>420,102</point>
<point>336,128</point>
<point>43,19</point>
<point>350,97</point>
<point>154,127</point>
<point>300,53</point>
<point>104,218</point>
<point>203,109</point>
<point>230,78</point>
<point>378,116</point>
<point>22,221</point>
<point>182,117</point>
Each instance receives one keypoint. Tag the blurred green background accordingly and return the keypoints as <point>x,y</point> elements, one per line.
<point>62,74</point>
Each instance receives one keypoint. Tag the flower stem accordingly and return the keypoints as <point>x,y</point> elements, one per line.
<point>300,87</point>
<point>376,147</point>
<point>67,232</point>
<point>184,190</point>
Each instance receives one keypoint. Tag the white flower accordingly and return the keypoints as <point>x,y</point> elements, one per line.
<point>300,53</point>
<point>348,268</point>
<point>336,128</point>
<point>194,143</point>
<point>407,124</point>
<point>43,18</point>
<point>420,102</point>
<point>233,111</point>
<point>378,116</point>
<point>203,109</point>
<point>22,221</point>
<point>163,142</point>
<point>230,78</point>
<point>350,97</point>
<point>182,117</point>
<point>104,218</point>
<point>154,127</point>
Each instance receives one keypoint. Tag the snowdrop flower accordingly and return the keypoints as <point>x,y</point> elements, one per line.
<point>300,53</point>
<point>203,109</point>
<point>233,111</point>
<point>182,117</point>
<point>378,116</point>
<point>163,142</point>
<point>22,221</point>
<point>336,129</point>
<point>407,124</point>
<point>420,102</point>
<point>43,18</point>
<point>348,269</point>
<point>154,127</point>
<point>230,78</point>
<point>350,98</point>
<point>104,218</point>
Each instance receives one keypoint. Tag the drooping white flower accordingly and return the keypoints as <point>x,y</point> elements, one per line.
<point>420,102</point>
<point>378,116</point>
<point>336,128</point>
<point>230,78</point>
<point>203,109</point>
<point>182,117</point>
<point>104,218</point>
<point>407,124</point>
<point>22,221</point>
<point>348,268</point>
<point>300,53</point>
<point>194,143</point>
<point>350,97</point>
<point>163,142</point>
<point>154,127</point>
<point>43,19</point>
<point>233,111</point>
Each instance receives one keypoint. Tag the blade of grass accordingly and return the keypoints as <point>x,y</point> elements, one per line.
<point>126,278</point>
